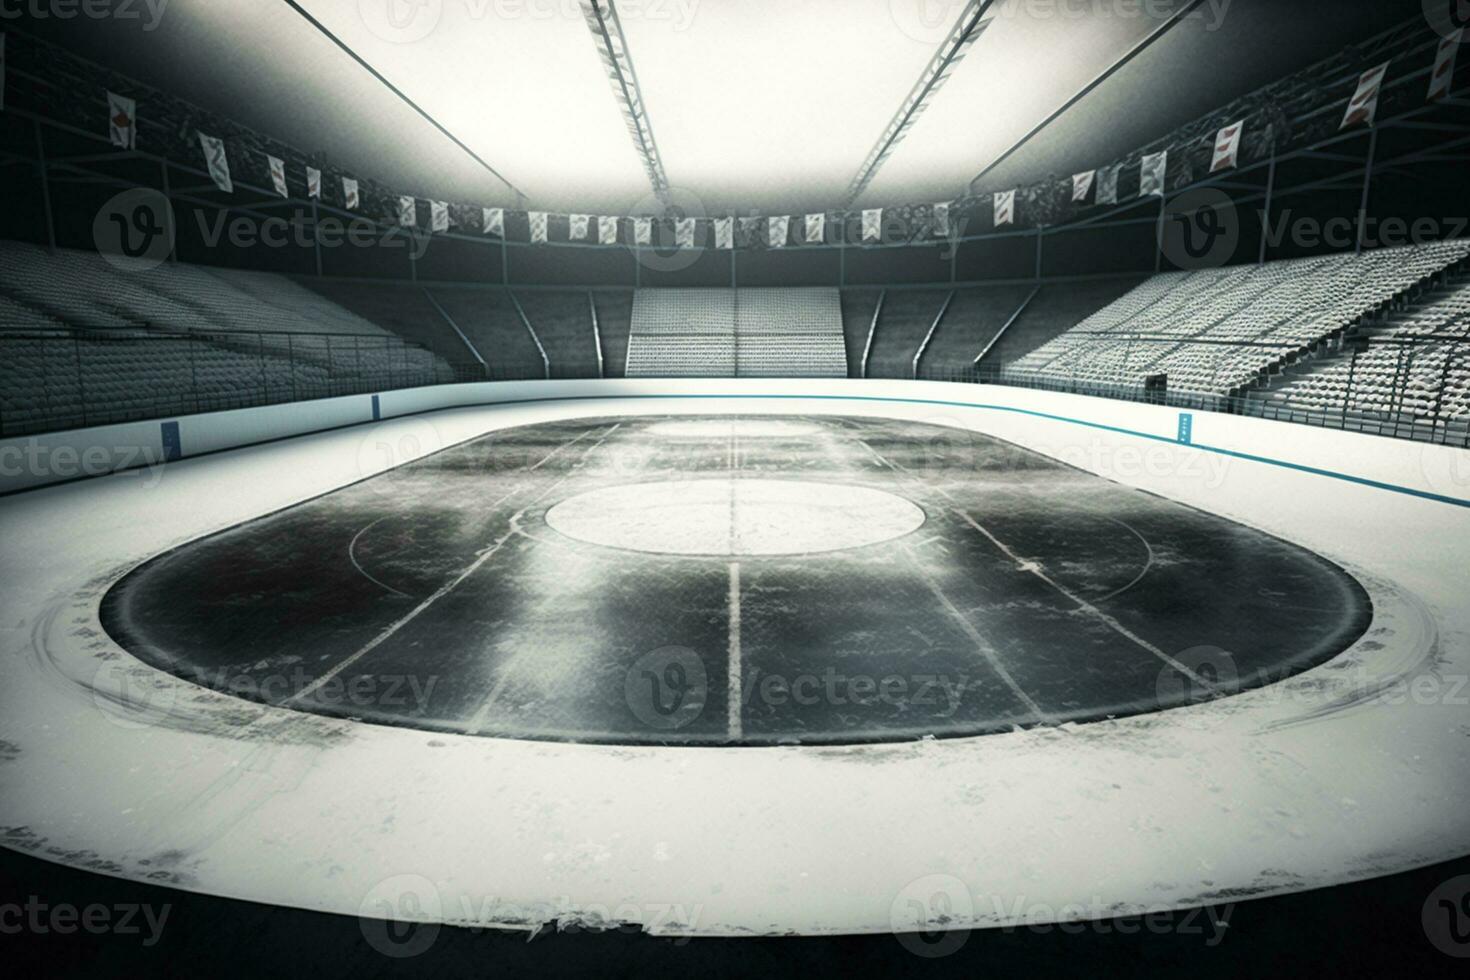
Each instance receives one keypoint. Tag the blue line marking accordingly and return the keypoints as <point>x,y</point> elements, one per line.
<point>1345,477</point>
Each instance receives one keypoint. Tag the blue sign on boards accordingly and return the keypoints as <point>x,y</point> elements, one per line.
<point>1186,428</point>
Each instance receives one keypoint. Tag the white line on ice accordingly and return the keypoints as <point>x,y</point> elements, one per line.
<point>735,685</point>
<point>452,584</point>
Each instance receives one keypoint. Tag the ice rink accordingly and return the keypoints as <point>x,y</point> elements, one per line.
<point>1317,583</point>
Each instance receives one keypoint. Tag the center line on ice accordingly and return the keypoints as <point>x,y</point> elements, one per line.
<point>736,671</point>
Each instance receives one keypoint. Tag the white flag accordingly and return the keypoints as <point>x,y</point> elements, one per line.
<point>408,212</point>
<point>607,230</point>
<point>218,162</point>
<point>278,175</point>
<point>313,183</point>
<point>122,121</point>
<point>579,225</point>
<point>438,216</point>
<point>816,227</point>
<point>1151,174</point>
<point>684,233</point>
<point>1082,186</point>
<point>349,193</point>
<point>1107,185</point>
<point>642,231</point>
<point>779,230</point>
<point>1227,147</point>
<point>725,233</point>
<point>1363,107</point>
<point>494,221</point>
<point>1443,76</point>
<point>1005,208</point>
<point>538,226</point>
<point>872,224</point>
<point>941,220</point>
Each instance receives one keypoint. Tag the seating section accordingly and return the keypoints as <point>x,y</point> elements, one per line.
<point>1218,331</point>
<point>902,326</point>
<point>563,323</point>
<point>973,320</point>
<point>614,321</point>
<point>489,321</point>
<point>1414,368</point>
<point>682,333</point>
<point>737,333</point>
<point>81,289</point>
<point>792,333</point>
<point>1053,311</point>
<point>858,306</point>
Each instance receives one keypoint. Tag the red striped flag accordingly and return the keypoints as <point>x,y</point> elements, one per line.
<point>1362,110</point>
<point>1443,76</point>
<point>1227,147</point>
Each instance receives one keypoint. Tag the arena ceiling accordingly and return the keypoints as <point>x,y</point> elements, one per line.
<point>766,105</point>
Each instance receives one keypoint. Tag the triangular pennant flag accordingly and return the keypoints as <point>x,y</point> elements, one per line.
<point>218,162</point>
<point>1107,185</point>
<point>1151,174</point>
<point>349,194</point>
<point>749,229</point>
<point>579,225</point>
<point>313,183</point>
<point>778,231</point>
<point>408,212</point>
<point>438,217</point>
<point>872,224</point>
<point>941,220</point>
<point>1082,186</point>
<point>538,226</point>
<point>122,121</point>
<point>725,233</point>
<point>607,230</point>
<point>493,221</point>
<point>642,231</point>
<point>684,233</point>
<point>1005,208</point>
<point>278,175</point>
<point>1443,76</point>
<point>816,227</point>
<point>1227,147</point>
<point>1363,106</point>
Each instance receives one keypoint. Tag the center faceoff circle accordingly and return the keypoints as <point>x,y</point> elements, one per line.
<point>732,518</point>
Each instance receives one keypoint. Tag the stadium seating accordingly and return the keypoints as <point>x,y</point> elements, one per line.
<point>563,324</point>
<point>737,333</point>
<point>1413,368</point>
<point>905,321</point>
<point>1216,332</point>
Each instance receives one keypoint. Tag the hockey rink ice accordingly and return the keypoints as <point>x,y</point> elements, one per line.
<point>740,663</point>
